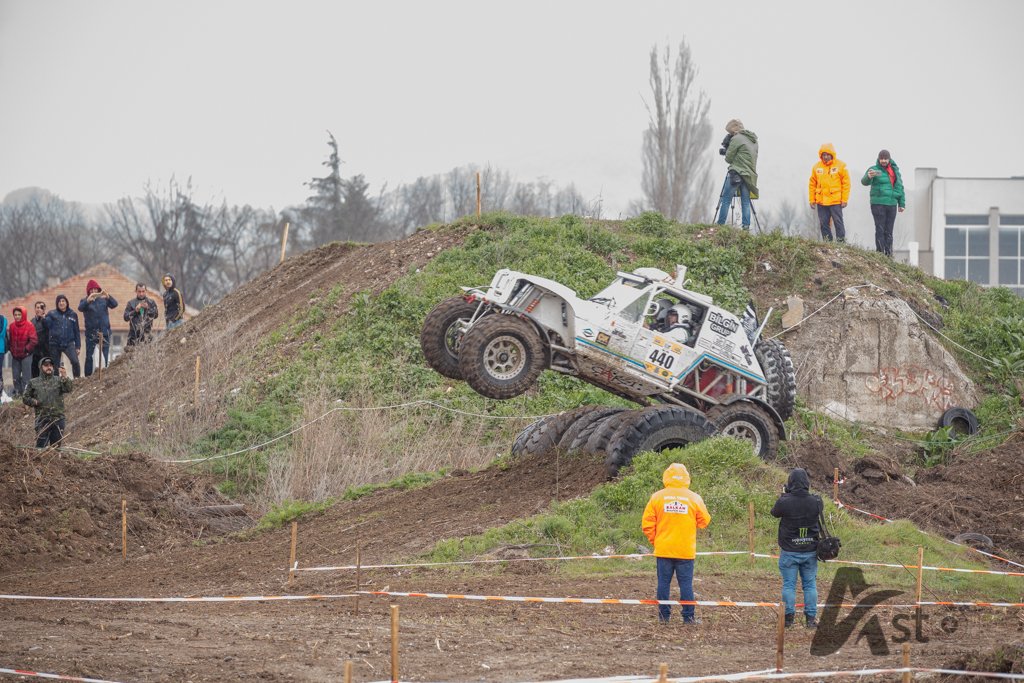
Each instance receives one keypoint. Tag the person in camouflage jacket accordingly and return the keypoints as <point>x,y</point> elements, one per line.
<point>45,393</point>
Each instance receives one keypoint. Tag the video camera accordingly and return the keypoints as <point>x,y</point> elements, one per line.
<point>725,144</point>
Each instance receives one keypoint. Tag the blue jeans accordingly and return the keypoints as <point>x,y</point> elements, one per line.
<point>806,564</point>
<point>683,570</point>
<point>92,340</point>
<point>171,326</point>
<point>728,192</point>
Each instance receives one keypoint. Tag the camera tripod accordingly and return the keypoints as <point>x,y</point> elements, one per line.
<point>732,206</point>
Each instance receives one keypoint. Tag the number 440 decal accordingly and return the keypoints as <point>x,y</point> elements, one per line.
<point>661,358</point>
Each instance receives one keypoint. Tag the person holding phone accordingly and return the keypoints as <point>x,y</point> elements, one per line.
<point>45,393</point>
<point>887,198</point>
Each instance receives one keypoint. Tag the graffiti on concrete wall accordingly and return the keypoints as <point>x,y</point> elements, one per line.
<point>936,390</point>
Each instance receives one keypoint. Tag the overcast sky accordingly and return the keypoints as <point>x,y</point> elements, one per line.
<point>99,97</point>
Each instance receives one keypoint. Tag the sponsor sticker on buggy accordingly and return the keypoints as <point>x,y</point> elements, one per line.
<point>659,341</point>
<point>676,507</point>
<point>676,348</point>
<point>603,338</point>
<point>588,333</point>
<point>722,325</point>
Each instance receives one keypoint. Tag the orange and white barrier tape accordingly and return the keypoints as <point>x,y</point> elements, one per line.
<point>18,672</point>
<point>961,545</point>
<point>636,556</point>
<point>253,598</point>
<point>937,569</point>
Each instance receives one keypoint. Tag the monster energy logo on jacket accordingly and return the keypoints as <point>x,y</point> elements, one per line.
<point>797,510</point>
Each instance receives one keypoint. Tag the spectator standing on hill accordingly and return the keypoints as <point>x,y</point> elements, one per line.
<point>3,348</point>
<point>798,510</point>
<point>140,313</point>
<point>670,522</point>
<point>22,342</point>
<point>887,198</point>
<point>96,306</point>
<point>829,191</point>
<point>65,336</point>
<point>46,394</point>
<point>42,337</point>
<point>174,303</point>
<point>741,155</point>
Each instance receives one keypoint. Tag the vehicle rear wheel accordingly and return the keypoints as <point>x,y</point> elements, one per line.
<point>597,414</point>
<point>501,356</point>
<point>747,422</point>
<point>519,447</point>
<point>655,429</point>
<point>441,336</point>
<point>777,366</point>
<point>548,435</point>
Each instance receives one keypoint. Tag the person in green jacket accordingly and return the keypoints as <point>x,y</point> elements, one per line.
<point>887,198</point>
<point>740,150</point>
<point>45,393</point>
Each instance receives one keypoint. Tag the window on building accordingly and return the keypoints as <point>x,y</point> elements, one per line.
<point>967,248</point>
<point>117,340</point>
<point>1011,253</point>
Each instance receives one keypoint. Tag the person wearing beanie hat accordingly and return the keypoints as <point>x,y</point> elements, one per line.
<point>96,306</point>
<point>887,198</point>
<point>65,337</point>
<point>740,151</point>
<point>45,393</point>
<point>829,192</point>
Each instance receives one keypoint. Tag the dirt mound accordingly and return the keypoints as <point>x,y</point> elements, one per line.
<point>58,509</point>
<point>982,493</point>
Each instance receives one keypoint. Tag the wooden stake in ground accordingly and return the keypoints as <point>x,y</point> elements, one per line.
<point>196,401</point>
<point>348,671</point>
<point>124,528</point>
<point>906,662</point>
<point>920,575</point>
<point>751,533</point>
<point>358,562</point>
<point>284,242</point>
<point>478,196</point>
<point>779,646</point>
<point>291,562</point>
<point>663,673</point>
<point>835,485</point>
<point>394,642</point>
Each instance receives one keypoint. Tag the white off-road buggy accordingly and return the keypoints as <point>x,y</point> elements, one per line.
<point>715,374</point>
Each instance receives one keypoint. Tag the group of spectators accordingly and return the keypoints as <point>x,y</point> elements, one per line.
<point>828,189</point>
<point>35,344</point>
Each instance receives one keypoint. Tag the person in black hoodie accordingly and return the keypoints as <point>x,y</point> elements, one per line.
<point>65,334</point>
<point>798,510</point>
<point>42,349</point>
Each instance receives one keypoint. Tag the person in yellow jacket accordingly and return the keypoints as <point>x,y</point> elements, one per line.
<point>670,522</point>
<point>829,191</point>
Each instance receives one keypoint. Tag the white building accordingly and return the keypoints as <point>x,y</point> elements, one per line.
<point>967,228</point>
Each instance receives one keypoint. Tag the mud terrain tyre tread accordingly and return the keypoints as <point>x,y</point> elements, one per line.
<point>434,340</point>
<point>586,420</point>
<point>477,350</point>
<point>743,416</point>
<point>602,433</point>
<point>580,442</point>
<point>653,429</point>
<point>519,446</point>
<point>777,365</point>
<point>548,435</point>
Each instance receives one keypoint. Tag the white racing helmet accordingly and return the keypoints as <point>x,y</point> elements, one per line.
<point>683,314</point>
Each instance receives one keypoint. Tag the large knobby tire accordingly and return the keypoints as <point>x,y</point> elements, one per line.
<point>597,443</point>
<point>548,435</point>
<point>963,422</point>
<point>519,447</point>
<point>579,441</point>
<point>655,429</point>
<point>777,366</point>
<point>747,422</point>
<point>501,356</point>
<point>440,336</point>
<point>586,420</point>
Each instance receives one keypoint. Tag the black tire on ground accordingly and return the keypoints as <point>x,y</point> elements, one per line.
<point>579,442</point>
<point>548,435</point>
<point>597,442</point>
<point>655,429</point>
<point>748,422</point>
<point>501,356</point>
<point>519,447</point>
<point>962,421</point>
<point>586,420</point>
<point>439,336</point>
<point>777,366</point>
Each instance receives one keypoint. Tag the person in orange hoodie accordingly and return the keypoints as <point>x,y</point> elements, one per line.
<point>670,522</point>
<point>829,191</point>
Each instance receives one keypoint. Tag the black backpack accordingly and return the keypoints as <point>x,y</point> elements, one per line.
<point>828,546</point>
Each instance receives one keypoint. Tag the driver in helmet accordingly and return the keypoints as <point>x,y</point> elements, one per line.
<point>660,322</point>
<point>679,323</point>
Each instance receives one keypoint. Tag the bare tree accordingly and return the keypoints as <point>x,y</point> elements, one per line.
<point>677,164</point>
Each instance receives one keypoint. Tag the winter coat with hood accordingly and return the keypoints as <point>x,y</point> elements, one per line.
<point>63,327</point>
<point>45,393</point>
<point>885,189</point>
<point>830,183</point>
<point>4,338</point>
<point>97,311</point>
<point>798,510</point>
<point>174,303</point>
<point>673,516</point>
<point>742,158</point>
<point>22,335</point>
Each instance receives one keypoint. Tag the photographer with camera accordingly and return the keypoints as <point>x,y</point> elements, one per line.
<point>798,510</point>
<point>740,151</point>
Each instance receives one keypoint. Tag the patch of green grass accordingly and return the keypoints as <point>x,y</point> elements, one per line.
<point>289,510</point>
<point>406,481</point>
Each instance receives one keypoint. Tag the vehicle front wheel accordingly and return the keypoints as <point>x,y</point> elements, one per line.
<point>747,422</point>
<point>441,334</point>
<point>501,356</point>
